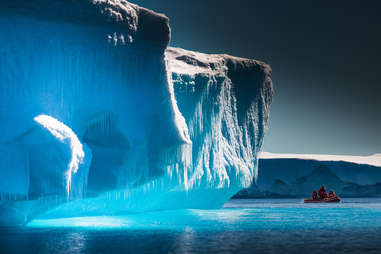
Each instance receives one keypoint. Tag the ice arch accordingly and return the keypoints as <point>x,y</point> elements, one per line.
<point>65,135</point>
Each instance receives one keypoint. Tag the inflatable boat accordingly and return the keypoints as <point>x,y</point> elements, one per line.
<point>325,200</point>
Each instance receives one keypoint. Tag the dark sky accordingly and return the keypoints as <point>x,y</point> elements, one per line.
<point>325,57</point>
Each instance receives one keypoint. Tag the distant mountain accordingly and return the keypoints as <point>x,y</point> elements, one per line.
<point>303,186</point>
<point>362,190</point>
<point>290,169</point>
<point>280,187</point>
<point>255,192</point>
<point>321,175</point>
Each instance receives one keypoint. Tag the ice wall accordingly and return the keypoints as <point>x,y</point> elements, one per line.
<point>225,101</point>
<point>162,128</point>
<point>97,67</point>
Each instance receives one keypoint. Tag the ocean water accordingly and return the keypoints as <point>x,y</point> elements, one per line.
<point>242,226</point>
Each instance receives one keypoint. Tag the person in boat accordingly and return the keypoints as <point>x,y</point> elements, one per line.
<point>332,194</point>
<point>314,195</point>
<point>323,192</point>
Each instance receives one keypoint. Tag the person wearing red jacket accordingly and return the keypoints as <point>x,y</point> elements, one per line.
<point>323,192</point>
<point>332,194</point>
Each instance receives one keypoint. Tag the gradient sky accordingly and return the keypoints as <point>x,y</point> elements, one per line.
<point>326,60</point>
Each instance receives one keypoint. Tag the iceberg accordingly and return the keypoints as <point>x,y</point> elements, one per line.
<point>100,116</point>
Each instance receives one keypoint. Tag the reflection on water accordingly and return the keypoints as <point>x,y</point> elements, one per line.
<point>68,242</point>
<point>243,226</point>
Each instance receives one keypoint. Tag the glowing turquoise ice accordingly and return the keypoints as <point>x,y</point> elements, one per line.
<point>123,123</point>
<point>238,215</point>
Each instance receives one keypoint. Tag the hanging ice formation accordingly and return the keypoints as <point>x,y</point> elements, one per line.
<point>127,122</point>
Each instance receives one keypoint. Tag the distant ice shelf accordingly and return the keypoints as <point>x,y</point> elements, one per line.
<point>372,160</point>
<point>354,175</point>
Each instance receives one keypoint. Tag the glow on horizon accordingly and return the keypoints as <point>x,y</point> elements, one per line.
<point>373,160</point>
<point>66,135</point>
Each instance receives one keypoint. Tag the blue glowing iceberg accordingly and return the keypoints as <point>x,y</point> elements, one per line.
<point>99,116</point>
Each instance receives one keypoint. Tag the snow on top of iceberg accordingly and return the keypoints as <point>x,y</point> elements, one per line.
<point>65,135</point>
<point>183,61</point>
<point>373,160</point>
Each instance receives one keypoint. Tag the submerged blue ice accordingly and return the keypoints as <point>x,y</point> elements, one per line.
<point>144,126</point>
<point>239,215</point>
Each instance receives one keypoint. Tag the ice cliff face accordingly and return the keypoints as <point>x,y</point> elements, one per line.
<point>146,126</point>
<point>225,101</point>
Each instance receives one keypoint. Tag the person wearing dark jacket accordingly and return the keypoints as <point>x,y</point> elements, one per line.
<point>314,195</point>
<point>332,194</point>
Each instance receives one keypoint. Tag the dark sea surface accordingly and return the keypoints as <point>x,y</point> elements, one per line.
<point>242,226</point>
